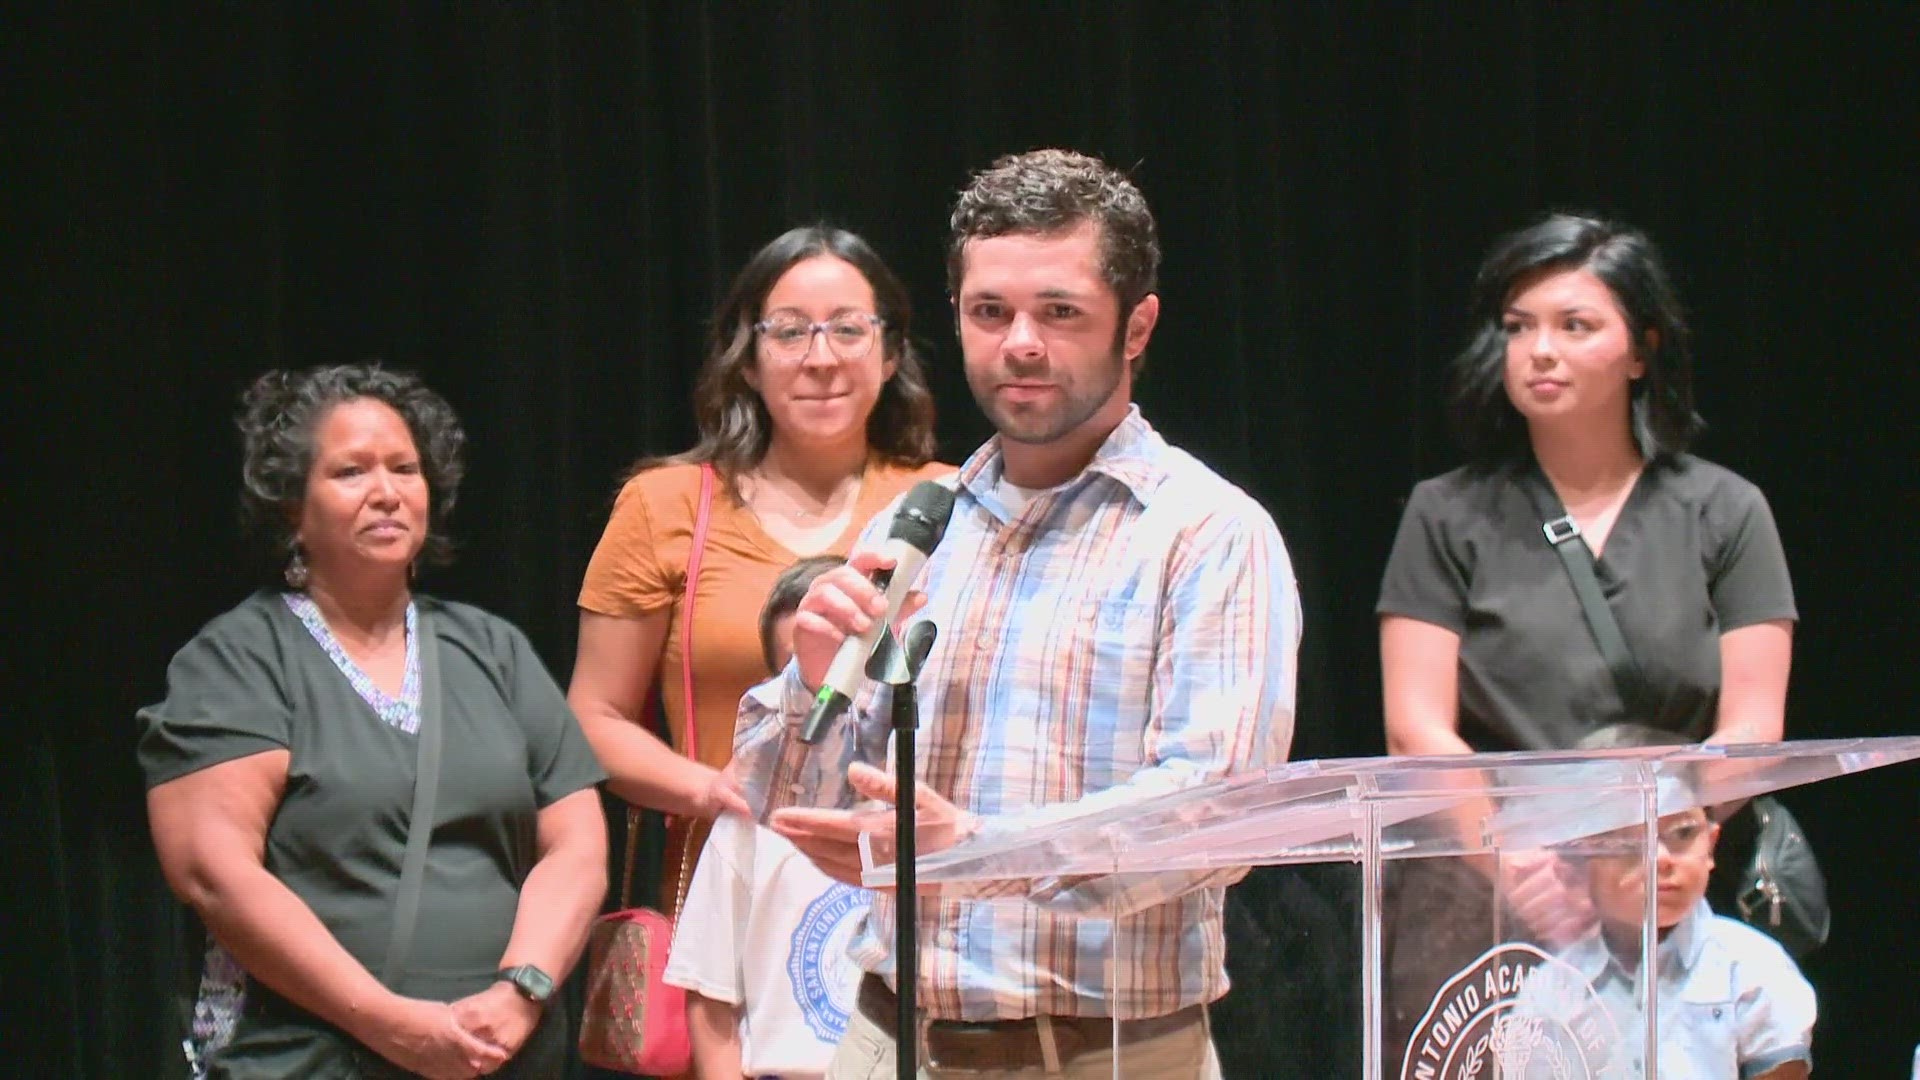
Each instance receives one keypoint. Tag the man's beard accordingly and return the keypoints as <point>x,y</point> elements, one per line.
<point>1045,424</point>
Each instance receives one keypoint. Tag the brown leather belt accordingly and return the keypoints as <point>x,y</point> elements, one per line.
<point>984,1046</point>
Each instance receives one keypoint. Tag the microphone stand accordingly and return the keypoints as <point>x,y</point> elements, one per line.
<point>899,668</point>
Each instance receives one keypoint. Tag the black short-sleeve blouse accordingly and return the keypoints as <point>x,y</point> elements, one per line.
<point>1693,555</point>
<point>255,679</point>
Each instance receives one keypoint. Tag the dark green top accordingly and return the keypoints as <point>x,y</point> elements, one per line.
<point>254,679</point>
<point>1693,554</point>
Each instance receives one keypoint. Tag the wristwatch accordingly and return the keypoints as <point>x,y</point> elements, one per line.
<point>534,985</point>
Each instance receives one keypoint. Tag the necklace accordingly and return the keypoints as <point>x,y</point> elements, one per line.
<point>782,501</point>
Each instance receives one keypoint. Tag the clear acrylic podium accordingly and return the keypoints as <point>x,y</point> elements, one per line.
<point>1487,883</point>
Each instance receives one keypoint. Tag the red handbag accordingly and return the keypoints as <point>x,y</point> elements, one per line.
<point>634,1022</point>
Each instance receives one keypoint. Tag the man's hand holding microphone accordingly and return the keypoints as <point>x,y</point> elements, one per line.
<point>835,629</point>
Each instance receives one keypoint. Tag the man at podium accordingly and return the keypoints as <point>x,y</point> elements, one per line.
<point>1115,621</point>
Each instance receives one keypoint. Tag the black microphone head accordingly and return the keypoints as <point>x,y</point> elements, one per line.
<point>919,643</point>
<point>922,518</point>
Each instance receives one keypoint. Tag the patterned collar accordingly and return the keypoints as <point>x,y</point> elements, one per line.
<point>402,712</point>
<point>1132,456</point>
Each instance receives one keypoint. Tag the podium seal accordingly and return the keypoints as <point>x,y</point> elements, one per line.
<point>1514,1013</point>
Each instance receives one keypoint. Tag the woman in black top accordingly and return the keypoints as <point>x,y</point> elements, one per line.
<point>1579,372</point>
<point>281,771</point>
<point>1581,369</point>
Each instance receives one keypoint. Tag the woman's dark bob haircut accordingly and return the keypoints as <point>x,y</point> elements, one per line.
<point>735,427</point>
<point>1663,421</point>
<point>281,411</point>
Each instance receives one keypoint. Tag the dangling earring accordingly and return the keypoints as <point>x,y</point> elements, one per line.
<point>296,572</point>
<point>413,571</point>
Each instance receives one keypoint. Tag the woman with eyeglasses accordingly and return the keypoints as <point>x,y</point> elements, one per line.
<point>813,413</point>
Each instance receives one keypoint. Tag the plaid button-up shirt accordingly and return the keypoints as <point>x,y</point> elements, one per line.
<point>1129,633</point>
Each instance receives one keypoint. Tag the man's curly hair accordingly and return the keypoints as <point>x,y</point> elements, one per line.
<point>279,414</point>
<point>1043,192</point>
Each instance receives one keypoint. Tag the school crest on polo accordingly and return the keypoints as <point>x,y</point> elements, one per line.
<point>824,978</point>
<point>1518,1014</point>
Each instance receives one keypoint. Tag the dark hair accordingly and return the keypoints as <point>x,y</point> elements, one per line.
<point>735,428</point>
<point>278,416</point>
<point>787,592</point>
<point>1043,192</point>
<point>1663,420</point>
<point>1628,735</point>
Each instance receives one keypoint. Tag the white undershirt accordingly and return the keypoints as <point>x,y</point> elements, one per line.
<point>1016,498</point>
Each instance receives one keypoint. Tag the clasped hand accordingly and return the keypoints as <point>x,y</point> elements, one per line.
<point>1539,894</point>
<point>473,1036</point>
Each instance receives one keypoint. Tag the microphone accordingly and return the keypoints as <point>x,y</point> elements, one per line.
<point>918,525</point>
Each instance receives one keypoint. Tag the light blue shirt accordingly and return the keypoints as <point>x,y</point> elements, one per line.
<point>1732,1003</point>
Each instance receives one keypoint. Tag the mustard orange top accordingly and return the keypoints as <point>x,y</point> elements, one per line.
<point>640,567</point>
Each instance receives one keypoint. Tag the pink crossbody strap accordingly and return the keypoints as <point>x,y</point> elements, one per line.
<point>700,520</point>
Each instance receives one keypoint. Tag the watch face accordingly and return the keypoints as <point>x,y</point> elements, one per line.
<point>531,981</point>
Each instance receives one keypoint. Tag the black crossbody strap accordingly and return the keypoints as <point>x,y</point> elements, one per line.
<point>1563,535</point>
<point>426,785</point>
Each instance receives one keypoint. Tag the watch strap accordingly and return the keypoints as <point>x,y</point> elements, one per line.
<point>525,978</point>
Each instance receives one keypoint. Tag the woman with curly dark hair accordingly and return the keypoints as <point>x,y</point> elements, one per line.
<point>305,730</point>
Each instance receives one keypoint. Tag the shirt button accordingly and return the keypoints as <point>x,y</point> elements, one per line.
<point>946,939</point>
<point>984,640</point>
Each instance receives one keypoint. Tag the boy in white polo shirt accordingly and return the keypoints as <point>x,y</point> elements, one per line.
<point>761,945</point>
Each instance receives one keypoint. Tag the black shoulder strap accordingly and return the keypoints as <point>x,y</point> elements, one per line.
<point>426,785</point>
<point>1563,535</point>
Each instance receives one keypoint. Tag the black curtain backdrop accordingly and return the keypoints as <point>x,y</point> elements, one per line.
<point>535,206</point>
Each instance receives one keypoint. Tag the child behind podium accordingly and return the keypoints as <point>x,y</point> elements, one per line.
<point>761,946</point>
<point>1731,1002</point>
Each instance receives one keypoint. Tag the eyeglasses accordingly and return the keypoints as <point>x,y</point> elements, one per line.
<point>1678,838</point>
<point>1683,837</point>
<point>788,338</point>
